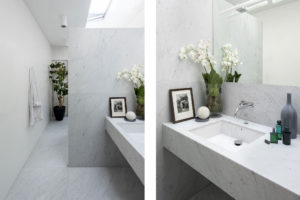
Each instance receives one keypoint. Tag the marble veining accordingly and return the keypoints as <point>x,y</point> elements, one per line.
<point>95,58</point>
<point>258,171</point>
<point>47,177</point>
<point>130,142</point>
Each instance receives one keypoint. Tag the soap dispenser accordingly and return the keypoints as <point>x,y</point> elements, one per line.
<point>289,117</point>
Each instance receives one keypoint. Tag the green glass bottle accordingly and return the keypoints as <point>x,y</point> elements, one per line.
<point>273,137</point>
<point>279,130</point>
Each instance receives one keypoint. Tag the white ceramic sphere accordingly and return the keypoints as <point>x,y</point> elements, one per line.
<point>130,115</point>
<point>203,112</point>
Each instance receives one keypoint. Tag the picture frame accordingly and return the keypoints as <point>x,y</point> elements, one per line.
<point>182,104</point>
<point>117,107</point>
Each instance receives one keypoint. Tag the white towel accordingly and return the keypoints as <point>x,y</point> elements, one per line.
<point>35,104</point>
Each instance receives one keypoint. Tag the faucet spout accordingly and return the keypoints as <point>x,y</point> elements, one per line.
<point>243,105</point>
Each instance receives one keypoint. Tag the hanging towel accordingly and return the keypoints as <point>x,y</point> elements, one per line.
<point>35,104</point>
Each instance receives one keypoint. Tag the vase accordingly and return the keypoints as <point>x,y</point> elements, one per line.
<point>213,99</point>
<point>289,117</point>
<point>140,101</point>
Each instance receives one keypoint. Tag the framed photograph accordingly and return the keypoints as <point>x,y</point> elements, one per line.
<point>117,107</point>
<point>182,104</point>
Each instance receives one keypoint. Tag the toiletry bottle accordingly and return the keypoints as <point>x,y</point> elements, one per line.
<point>273,137</point>
<point>289,117</point>
<point>286,136</point>
<point>279,130</point>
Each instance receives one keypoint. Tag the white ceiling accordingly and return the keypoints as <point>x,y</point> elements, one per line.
<point>48,15</point>
<point>122,14</point>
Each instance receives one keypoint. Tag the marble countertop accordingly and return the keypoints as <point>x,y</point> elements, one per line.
<point>276,163</point>
<point>129,138</point>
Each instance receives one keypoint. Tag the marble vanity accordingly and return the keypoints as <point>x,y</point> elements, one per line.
<point>252,171</point>
<point>129,138</point>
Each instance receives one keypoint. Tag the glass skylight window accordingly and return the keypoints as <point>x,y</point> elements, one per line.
<point>98,9</point>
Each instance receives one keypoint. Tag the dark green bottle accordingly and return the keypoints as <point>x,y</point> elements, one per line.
<point>273,137</point>
<point>279,130</point>
<point>286,136</point>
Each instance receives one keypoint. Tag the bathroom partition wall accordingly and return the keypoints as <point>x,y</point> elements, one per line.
<point>95,58</point>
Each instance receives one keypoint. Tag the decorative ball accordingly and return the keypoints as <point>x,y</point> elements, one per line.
<point>130,115</point>
<point>203,112</point>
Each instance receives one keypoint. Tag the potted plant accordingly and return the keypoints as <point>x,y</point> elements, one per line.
<point>230,59</point>
<point>58,74</point>
<point>136,76</point>
<point>200,54</point>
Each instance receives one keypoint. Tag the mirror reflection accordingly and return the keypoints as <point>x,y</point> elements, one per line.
<point>257,41</point>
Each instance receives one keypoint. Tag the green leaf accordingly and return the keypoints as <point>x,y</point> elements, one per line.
<point>237,76</point>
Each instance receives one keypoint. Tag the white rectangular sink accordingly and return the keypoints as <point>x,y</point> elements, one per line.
<point>133,128</point>
<point>224,133</point>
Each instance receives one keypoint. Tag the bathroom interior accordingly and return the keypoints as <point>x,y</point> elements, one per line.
<point>69,71</point>
<point>72,114</point>
<point>234,65</point>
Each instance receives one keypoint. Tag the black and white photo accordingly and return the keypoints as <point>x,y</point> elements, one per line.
<point>117,106</point>
<point>182,104</point>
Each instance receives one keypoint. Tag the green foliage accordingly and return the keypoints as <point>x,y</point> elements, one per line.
<point>237,76</point>
<point>233,77</point>
<point>212,78</point>
<point>58,74</point>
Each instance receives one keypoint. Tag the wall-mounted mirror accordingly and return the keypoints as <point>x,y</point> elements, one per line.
<point>264,38</point>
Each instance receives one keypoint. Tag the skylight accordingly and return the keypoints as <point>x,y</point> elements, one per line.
<point>98,9</point>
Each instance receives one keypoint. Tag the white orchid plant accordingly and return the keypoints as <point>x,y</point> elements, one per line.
<point>136,77</point>
<point>201,54</point>
<point>230,60</point>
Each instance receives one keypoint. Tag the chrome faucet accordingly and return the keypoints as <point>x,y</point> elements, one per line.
<point>243,105</point>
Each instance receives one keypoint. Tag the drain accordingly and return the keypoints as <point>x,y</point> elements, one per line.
<point>238,142</point>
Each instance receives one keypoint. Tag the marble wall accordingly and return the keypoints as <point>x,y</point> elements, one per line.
<point>95,58</point>
<point>178,23</point>
<point>268,101</point>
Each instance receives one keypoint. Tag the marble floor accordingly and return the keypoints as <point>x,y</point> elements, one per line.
<point>46,176</point>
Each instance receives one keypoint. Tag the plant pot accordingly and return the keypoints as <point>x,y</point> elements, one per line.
<point>59,112</point>
<point>213,100</point>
